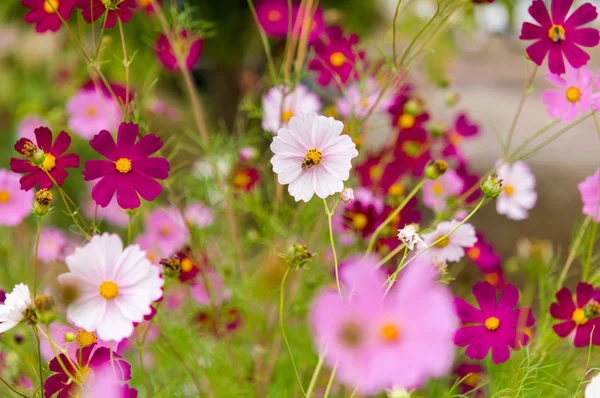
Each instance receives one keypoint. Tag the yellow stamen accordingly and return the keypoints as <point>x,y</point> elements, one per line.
<point>556,33</point>
<point>48,4</point>
<point>123,165</point>
<point>443,243</point>
<point>241,180</point>
<point>91,111</point>
<point>4,196</point>
<point>49,162</point>
<point>144,3</point>
<point>406,121</point>
<point>337,59</point>
<point>286,115</point>
<point>375,172</point>
<point>492,323</point>
<point>351,334</point>
<point>274,15</point>
<point>84,373</point>
<point>472,379</point>
<point>396,190</point>
<point>437,188</point>
<point>109,290</point>
<point>164,230</point>
<point>573,94</point>
<point>313,158</point>
<point>390,332</point>
<point>509,190</point>
<point>579,317</point>
<point>359,221</point>
<point>474,253</point>
<point>186,265</point>
<point>85,338</point>
<point>492,278</point>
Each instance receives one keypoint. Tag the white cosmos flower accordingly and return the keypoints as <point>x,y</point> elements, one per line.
<point>115,287</point>
<point>16,302</point>
<point>593,388</point>
<point>518,195</point>
<point>312,157</point>
<point>451,248</point>
<point>276,115</point>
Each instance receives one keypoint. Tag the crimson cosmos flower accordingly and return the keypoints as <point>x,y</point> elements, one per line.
<point>129,170</point>
<point>92,10</point>
<point>55,161</point>
<point>189,47</point>
<point>45,14</point>
<point>581,315</point>
<point>559,35</point>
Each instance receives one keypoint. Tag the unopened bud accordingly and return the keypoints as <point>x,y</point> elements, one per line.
<point>45,309</point>
<point>347,195</point>
<point>437,129</point>
<point>171,266</point>
<point>592,309</point>
<point>298,256</point>
<point>70,337</point>
<point>43,199</point>
<point>491,187</point>
<point>413,107</point>
<point>452,99</point>
<point>436,169</point>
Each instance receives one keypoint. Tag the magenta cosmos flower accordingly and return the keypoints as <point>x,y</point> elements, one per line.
<point>573,94</point>
<point>590,195</point>
<point>55,160</point>
<point>92,10</point>
<point>189,47</point>
<point>129,171</point>
<point>274,17</point>
<point>559,35</point>
<point>15,204</point>
<point>580,315</point>
<point>45,13</point>
<point>494,325</point>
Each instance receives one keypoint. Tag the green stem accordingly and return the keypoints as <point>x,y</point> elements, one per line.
<point>13,389</point>
<point>332,242</point>
<point>592,240</point>
<point>401,266</point>
<point>573,252</point>
<point>393,214</point>
<point>35,255</point>
<point>313,379</point>
<point>39,350</point>
<point>265,42</point>
<point>394,31</point>
<point>414,40</point>
<point>330,382</point>
<point>54,346</point>
<point>513,125</point>
<point>390,255</point>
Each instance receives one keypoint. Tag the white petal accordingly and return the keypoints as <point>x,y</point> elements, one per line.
<point>302,126</point>
<point>88,313</point>
<point>7,326</point>
<point>133,267</point>
<point>114,325</point>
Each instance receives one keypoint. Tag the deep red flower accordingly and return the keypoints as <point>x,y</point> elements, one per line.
<point>472,376</point>
<point>92,10</point>
<point>413,149</point>
<point>45,13</point>
<point>189,47</point>
<point>129,170</point>
<point>403,114</point>
<point>190,267</point>
<point>483,255</point>
<point>382,174</point>
<point>245,178</point>
<point>581,315</point>
<point>55,161</point>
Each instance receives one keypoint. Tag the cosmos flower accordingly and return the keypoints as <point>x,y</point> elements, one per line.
<point>129,171</point>
<point>44,13</point>
<point>168,229</point>
<point>107,383</point>
<point>188,46</point>
<point>209,288</point>
<point>92,10</point>
<point>362,214</point>
<point>312,156</point>
<point>147,5</point>
<point>558,35</point>
<point>361,97</point>
<point>491,326</point>
<point>120,92</point>
<point>436,192</point>
<point>377,340</point>
<point>55,161</point>
<point>277,115</point>
<point>12,311</point>
<point>408,112</point>
<point>15,204</point>
<point>199,215</point>
<point>472,376</point>
<point>580,315</point>
<point>388,238</point>
<point>27,126</point>
<point>573,94</point>
<point>451,248</point>
<point>274,16</point>
<point>116,287</point>
<point>483,255</point>
<point>413,151</point>
<point>90,111</point>
<point>244,177</point>
<point>518,195</point>
<point>53,245</point>
<point>590,195</point>
<point>336,57</point>
<point>83,339</point>
<point>462,129</point>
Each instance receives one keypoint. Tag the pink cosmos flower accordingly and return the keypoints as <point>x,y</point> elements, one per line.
<point>55,161</point>
<point>15,204</point>
<point>279,109</point>
<point>518,195</point>
<point>378,341</point>
<point>559,35</point>
<point>118,90</point>
<point>590,195</point>
<point>27,126</point>
<point>360,98</point>
<point>168,229</point>
<point>44,13</point>
<point>90,111</point>
<point>574,94</point>
<point>463,129</point>
<point>492,326</point>
<point>129,171</point>
<point>199,215</point>
<point>160,107</point>
<point>452,248</point>
<point>336,57</point>
<point>107,383</point>
<point>214,294</point>
<point>437,192</point>
<point>580,315</point>
<point>147,242</point>
<point>92,10</point>
<point>189,47</point>
<point>53,245</point>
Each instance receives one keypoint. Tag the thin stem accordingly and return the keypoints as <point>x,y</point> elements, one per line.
<point>13,389</point>
<point>101,34</point>
<point>35,255</point>
<point>95,220</point>
<point>129,228</point>
<point>126,63</point>
<point>305,30</point>
<point>54,346</point>
<point>401,266</point>
<point>394,31</point>
<point>390,255</point>
<point>265,41</point>
<point>414,40</point>
<point>281,327</point>
<point>64,197</point>
<point>513,125</point>
<point>39,350</point>
<point>330,382</point>
<point>313,379</point>
<point>332,242</point>
<point>588,263</point>
<point>393,214</point>
<point>573,252</point>
<point>146,381</point>
<point>535,135</point>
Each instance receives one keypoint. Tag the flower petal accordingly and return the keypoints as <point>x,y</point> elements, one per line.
<point>104,144</point>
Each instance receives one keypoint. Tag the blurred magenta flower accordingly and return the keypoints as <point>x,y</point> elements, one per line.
<point>107,382</point>
<point>91,111</point>
<point>362,98</point>
<point>274,18</point>
<point>188,47</point>
<point>45,13</point>
<point>92,10</point>
<point>590,195</point>
<point>130,171</point>
<point>558,35</point>
<point>278,108</point>
<point>580,315</point>
<point>15,204</point>
<point>146,5</point>
<point>454,137</point>
<point>472,376</point>
<point>55,161</point>
<point>518,195</point>
<point>573,94</point>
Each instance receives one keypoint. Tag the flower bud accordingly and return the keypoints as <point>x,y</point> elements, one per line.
<point>437,129</point>
<point>491,187</point>
<point>171,266</point>
<point>30,316</point>
<point>413,107</point>
<point>70,337</point>
<point>45,309</point>
<point>298,256</point>
<point>436,169</point>
<point>452,99</point>
<point>43,199</point>
<point>347,195</point>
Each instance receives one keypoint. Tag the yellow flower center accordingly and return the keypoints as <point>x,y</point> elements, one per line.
<point>390,332</point>
<point>91,111</point>
<point>472,379</point>
<point>579,317</point>
<point>492,278</point>
<point>556,33</point>
<point>186,265</point>
<point>164,230</point>
<point>50,6</point>
<point>286,115</point>
<point>85,338</point>
<point>474,253</point>
<point>492,323</point>
<point>364,102</point>
<point>406,121</point>
<point>109,290</point>
<point>359,221</point>
<point>455,139</point>
<point>274,15</point>
<point>123,165</point>
<point>337,59</point>
<point>49,162</point>
<point>437,188</point>
<point>573,94</point>
<point>396,190</point>
<point>84,373</point>
<point>313,158</point>
<point>4,196</point>
<point>443,243</point>
<point>509,190</point>
<point>144,3</point>
<point>241,180</point>
<point>376,172</point>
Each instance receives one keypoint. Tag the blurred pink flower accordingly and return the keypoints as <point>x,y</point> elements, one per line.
<point>188,47</point>
<point>215,293</point>
<point>167,229</point>
<point>590,195</point>
<point>161,107</point>
<point>437,192</point>
<point>53,245</point>
<point>361,97</point>
<point>82,339</point>
<point>573,94</point>
<point>15,204</point>
<point>90,111</point>
<point>279,109</point>
<point>199,215</point>
<point>518,195</point>
<point>28,124</point>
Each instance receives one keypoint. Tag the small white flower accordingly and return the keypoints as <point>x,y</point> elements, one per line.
<point>593,388</point>
<point>452,247</point>
<point>276,115</point>
<point>115,287</point>
<point>347,195</point>
<point>11,312</point>
<point>312,156</point>
<point>409,236</point>
<point>518,195</point>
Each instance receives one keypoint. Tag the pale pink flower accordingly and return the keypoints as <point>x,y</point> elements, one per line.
<point>277,115</point>
<point>247,153</point>
<point>451,248</point>
<point>28,124</point>
<point>15,204</point>
<point>149,245</point>
<point>90,111</point>
<point>518,195</point>
<point>312,156</point>
<point>361,97</point>
<point>590,195</point>
<point>161,107</point>
<point>201,292</point>
<point>53,245</point>
<point>167,228</point>
<point>436,192</point>
<point>199,215</point>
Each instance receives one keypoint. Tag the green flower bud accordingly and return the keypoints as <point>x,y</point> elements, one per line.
<point>298,256</point>
<point>45,309</point>
<point>43,199</point>
<point>434,170</point>
<point>70,337</point>
<point>491,187</point>
<point>171,266</point>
